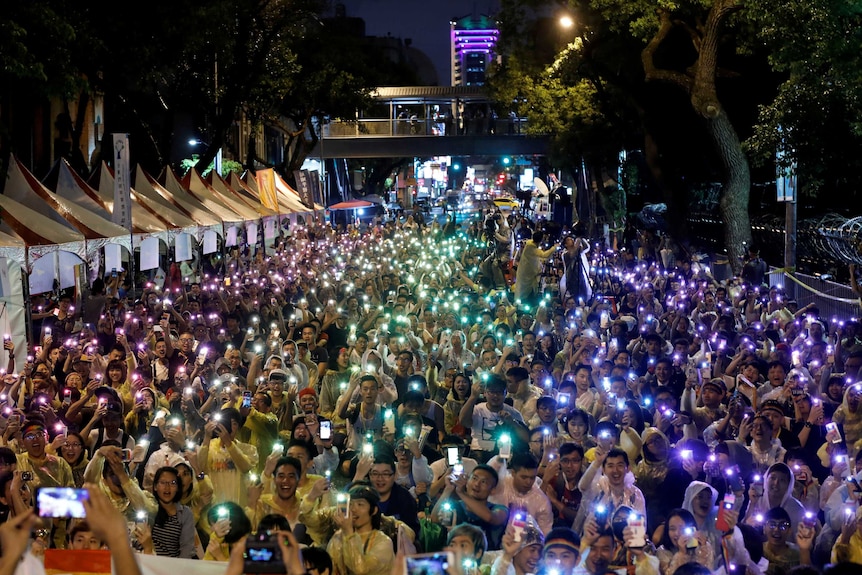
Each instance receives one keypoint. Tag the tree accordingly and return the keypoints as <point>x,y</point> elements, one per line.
<point>815,118</point>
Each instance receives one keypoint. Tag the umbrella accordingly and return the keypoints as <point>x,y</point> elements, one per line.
<point>350,205</point>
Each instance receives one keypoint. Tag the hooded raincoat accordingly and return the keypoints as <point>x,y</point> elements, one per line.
<point>784,500</point>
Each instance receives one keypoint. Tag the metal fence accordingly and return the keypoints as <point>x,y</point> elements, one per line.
<point>815,290</point>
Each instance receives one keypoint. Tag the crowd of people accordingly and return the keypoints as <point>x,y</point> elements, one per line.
<point>509,391</point>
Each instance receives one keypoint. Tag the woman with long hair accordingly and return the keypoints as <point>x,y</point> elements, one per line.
<point>683,543</point>
<point>172,531</point>
<point>454,402</point>
<point>74,451</point>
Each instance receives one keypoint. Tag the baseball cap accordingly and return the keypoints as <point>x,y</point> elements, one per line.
<point>278,374</point>
<point>716,383</point>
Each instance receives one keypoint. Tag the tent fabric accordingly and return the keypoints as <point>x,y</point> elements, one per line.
<point>146,189</point>
<point>228,190</point>
<point>71,186</point>
<point>23,187</point>
<point>179,198</point>
<point>215,202</point>
<point>21,222</point>
<point>169,181</point>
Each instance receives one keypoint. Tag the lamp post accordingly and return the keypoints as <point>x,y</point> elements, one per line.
<point>217,160</point>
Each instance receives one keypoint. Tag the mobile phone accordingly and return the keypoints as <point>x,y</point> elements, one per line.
<point>26,476</point>
<point>342,503</point>
<point>832,433</point>
<point>519,523</point>
<point>453,456</point>
<point>67,396</point>
<point>428,563</point>
<point>727,504</point>
<point>263,553</point>
<point>757,485</point>
<point>809,519</point>
<point>113,272</point>
<point>504,446</point>
<point>601,514</point>
<point>246,399</point>
<point>637,524</point>
<point>563,399</point>
<point>127,455</point>
<point>119,331</point>
<point>325,429</point>
<point>64,502</point>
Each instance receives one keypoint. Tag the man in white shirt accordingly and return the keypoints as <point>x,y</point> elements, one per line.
<point>492,418</point>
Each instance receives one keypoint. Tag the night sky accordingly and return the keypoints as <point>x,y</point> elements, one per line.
<point>415,19</point>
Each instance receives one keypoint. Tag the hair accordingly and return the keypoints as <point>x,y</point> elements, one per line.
<point>368,494</point>
<point>187,492</point>
<point>519,373</point>
<point>566,534</point>
<point>638,424</point>
<point>488,469</point>
<point>384,459</point>
<point>523,460</point>
<point>84,450</point>
<point>306,445</point>
<point>232,414</point>
<point>80,527</point>
<point>7,456</point>
<point>617,453</point>
<point>273,522</point>
<point>318,558</point>
<point>776,514</point>
<point>687,519</point>
<point>569,448</point>
<point>480,542</point>
<point>288,460</point>
<point>161,514</point>
<point>239,522</point>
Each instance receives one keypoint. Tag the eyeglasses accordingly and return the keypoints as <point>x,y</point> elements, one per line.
<point>166,483</point>
<point>187,339</point>
<point>783,525</point>
<point>32,436</point>
<point>381,474</point>
<point>73,445</point>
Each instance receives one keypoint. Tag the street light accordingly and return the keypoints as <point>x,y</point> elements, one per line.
<point>566,21</point>
<point>216,161</point>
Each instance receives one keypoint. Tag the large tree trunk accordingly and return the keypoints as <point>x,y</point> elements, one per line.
<point>736,188</point>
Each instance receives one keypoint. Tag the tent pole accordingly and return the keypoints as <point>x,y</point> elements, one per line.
<point>28,308</point>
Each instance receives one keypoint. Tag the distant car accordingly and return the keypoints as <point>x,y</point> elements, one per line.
<point>506,203</point>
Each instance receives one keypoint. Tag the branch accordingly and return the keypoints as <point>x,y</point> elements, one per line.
<point>693,33</point>
<point>648,57</point>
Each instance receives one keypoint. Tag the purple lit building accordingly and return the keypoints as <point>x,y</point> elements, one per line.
<point>473,40</point>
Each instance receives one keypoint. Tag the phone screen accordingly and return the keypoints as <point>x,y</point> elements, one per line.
<point>246,399</point>
<point>428,563</point>
<point>453,457</point>
<point>325,430</point>
<point>61,502</point>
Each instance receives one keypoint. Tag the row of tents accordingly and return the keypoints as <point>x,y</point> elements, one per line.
<point>53,230</point>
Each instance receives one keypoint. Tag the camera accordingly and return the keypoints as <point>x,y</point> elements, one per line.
<point>263,554</point>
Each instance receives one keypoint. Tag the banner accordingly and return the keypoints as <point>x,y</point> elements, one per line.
<point>122,214</point>
<point>183,247</point>
<point>316,190</point>
<point>266,186</point>
<point>303,187</point>
<point>149,254</point>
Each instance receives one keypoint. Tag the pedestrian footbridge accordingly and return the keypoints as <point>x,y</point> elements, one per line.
<point>429,121</point>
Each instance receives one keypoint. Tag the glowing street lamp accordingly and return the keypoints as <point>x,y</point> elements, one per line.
<point>566,21</point>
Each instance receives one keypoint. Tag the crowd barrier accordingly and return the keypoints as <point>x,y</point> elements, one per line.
<point>831,298</point>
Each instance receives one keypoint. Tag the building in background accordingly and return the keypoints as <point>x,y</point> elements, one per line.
<point>473,39</point>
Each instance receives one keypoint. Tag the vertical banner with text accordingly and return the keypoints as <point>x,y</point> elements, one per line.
<point>122,215</point>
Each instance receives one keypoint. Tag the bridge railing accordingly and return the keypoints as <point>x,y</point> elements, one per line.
<point>384,127</point>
